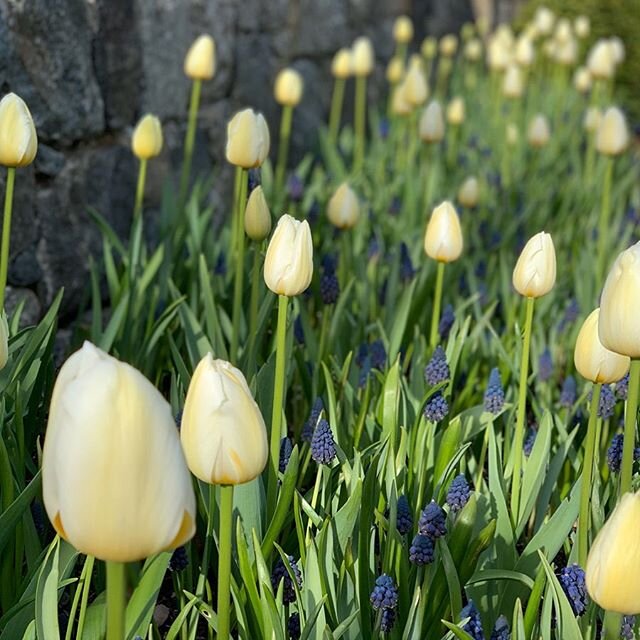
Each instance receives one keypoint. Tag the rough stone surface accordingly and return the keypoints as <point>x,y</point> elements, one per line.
<point>89,69</point>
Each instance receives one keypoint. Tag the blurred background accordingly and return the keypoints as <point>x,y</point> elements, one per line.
<point>88,69</point>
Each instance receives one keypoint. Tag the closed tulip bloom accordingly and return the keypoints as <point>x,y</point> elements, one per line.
<point>473,50</point>
<point>4,340</point>
<point>395,70</point>
<point>498,54</point>
<point>343,209</point>
<point>566,52</point>
<point>432,123</point>
<point>200,63</point>
<point>613,566</point>
<point>416,89</point>
<point>504,33</point>
<point>403,29</point>
<point>582,80</point>
<point>146,142</point>
<point>612,136</point>
<point>535,271</point>
<point>429,47</point>
<point>114,478</point>
<point>600,62</point>
<point>247,139</point>
<point>223,433</point>
<point>400,106</point>
<point>563,31</point>
<point>582,27</point>
<point>525,51</point>
<point>362,56</point>
<point>543,20</point>
<point>443,238</point>
<point>257,217</point>
<point>288,265</point>
<point>456,111</point>
<point>448,45</point>
<point>513,82</point>
<point>469,192</point>
<point>619,328</point>
<point>594,361</point>
<point>18,139</point>
<point>512,134</point>
<point>592,119</point>
<point>538,133</point>
<point>341,63</point>
<point>617,49</point>
<point>288,87</point>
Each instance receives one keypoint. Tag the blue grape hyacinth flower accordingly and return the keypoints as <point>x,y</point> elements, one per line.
<point>433,521</point>
<point>458,493</point>
<point>323,446</point>
<point>494,394</point>
<point>572,581</point>
<point>385,593</point>
<point>437,369</point>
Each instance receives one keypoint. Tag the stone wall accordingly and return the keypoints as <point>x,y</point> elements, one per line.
<point>88,69</point>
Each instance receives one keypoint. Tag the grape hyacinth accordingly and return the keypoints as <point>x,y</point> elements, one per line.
<point>458,493</point>
<point>295,188</point>
<point>614,453</point>
<point>312,421</point>
<point>494,394</point>
<point>437,369</point>
<point>447,319</point>
<point>406,266</point>
<point>329,285</point>
<point>437,408</point>
<point>286,447</point>
<point>607,404</point>
<point>545,365</point>
<point>377,355</point>
<point>573,584</point>
<point>571,314</point>
<point>501,630</point>
<point>404,520</point>
<point>385,593</point>
<point>622,388</point>
<point>220,268</point>
<point>253,179</point>
<point>298,331</point>
<point>280,574</point>
<point>626,627</point>
<point>323,446</point>
<point>433,521</point>
<point>179,559</point>
<point>474,625</point>
<point>387,620</point>
<point>568,393</point>
<point>529,442</point>
<point>293,626</point>
<point>421,551</point>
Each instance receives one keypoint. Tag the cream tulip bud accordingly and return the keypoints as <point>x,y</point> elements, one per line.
<point>4,340</point>
<point>443,238</point>
<point>18,139</point>
<point>400,106</point>
<point>563,31</point>
<point>498,54</point>
<point>288,265</point>
<point>538,133</point>
<point>288,87</point>
<point>473,50</point>
<point>395,70</point>
<point>456,111</point>
<point>341,63</point>
<point>429,47</point>
<point>223,433</point>
<point>600,61</point>
<point>582,27</point>
<point>505,35</point>
<point>146,142</point>
<point>469,192</point>
<point>612,136</point>
<point>448,45</point>
<point>543,20</point>
<point>566,52</point>
<point>619,328</point>
<point>593,361</point>
<point>512,134</point>
<point>416,89</point>
<point>200,62</point>
<point>617,49</point>
<point>403,29</point>
<point>114,478</point>
<point>613,565</point>
<point>257,217</point>
<point>525,51</point>
<point>432,123</point>
<point>592,119</point>
<point>535,271</point>
<point>513,82</point>
<point>343,209</point>
<point>247,139</point>
<point>362,56</point>
<point>582,80</point>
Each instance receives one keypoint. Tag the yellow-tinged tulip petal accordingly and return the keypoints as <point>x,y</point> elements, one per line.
<point>469,192</point>
<point>200,62</point>
<point>146,142</point>
<point>443,238</point>
<point>582,80</point>
<point>362,56</point>
<point>535,271</point>
<point>343,209</point>
<point>403,29</point>
<point>612,137</point>
<point>257,217</point>
<point>432,123</point>
<point>538,133</point>
<point>416,89</point>
<point>592,119</point>
<point>582,27</point>
<point>544,19</point>
<point>601,63</point>
<point>288,265</point>
<point>400,106</point>
<point>448,45</point>
<point>248,139</point>
<point>288,87</point>
<point>395,70</point>
<point>429,47</point>
<point>223,433</point>
<point>619,328</point>
<point>525,51</point>
<point>473,50</point>
<point>114,477</point>
<point>594,361</point>
<point>613,566</point>
<point>513,82</point>
<point>18,139</point>
<point>456,111</point>
<point>341,64</point>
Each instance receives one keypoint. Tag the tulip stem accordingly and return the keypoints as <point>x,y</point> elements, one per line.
<point>605,214</point>
<point>336,109</point>
<point>142,176</point>
<point>189,139</point>
<point>626,468</point>
<point>359,121</point>
<point>437,302</point>
<point>224,561</point>
<point>587,474</point>
<point>115,600</point>
<point>255,293</point>
<point>6,232</point>
<point>518,439</point>
<point>239,277</point>
<point>278,402</point>
<point>283,146</point>
<point>611,625</point>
